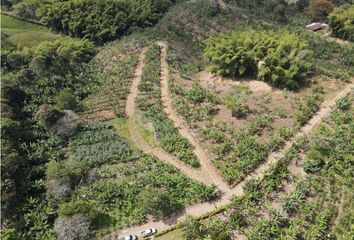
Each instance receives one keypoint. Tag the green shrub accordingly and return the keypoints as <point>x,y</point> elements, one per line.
<point>65,51</point>
<point>66,101</point>
<point>159,203</point>
<point>217,229</point>
<point>56,169</point>
<point>308,109</point>
<point>341,22</point>
<point>89,210</point>
<point>294,200</point>
<point>192,228</point>
<point>279,137</point>
<point>260,123</point>
<point>25,10</point>
<point>238,106</point>
<point>313,161</point>
<point>10,234</point>
<point>237,220</point>
<point>282,59</point>
<point>344,103</point>
<point>14,60</point>
<point>265,230</point>
<point>101,20</point>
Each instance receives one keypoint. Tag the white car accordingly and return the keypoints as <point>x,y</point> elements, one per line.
<point>148,232</point>
<point>130,237</point>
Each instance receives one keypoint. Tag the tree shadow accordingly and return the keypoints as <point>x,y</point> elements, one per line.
<point>172,219</point>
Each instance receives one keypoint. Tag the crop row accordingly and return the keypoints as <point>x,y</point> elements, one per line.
<point>149,101</point>
<point>196,104</point>
<point>112,96</point>
<point>283,205</point>
<point>236,151</point>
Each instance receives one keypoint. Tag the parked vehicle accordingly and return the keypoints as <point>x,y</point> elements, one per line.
<point>130,237</point>
<point>149,232</point>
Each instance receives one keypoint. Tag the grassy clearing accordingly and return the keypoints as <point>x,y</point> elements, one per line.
<point>31,39</point>
<point>148,136</point>
<point>8,22</point>
<point>22,34</point>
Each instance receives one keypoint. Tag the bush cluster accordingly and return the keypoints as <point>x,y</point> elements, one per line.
<point>341,21</point>
<point>281,58</point>
<point>101,21</point>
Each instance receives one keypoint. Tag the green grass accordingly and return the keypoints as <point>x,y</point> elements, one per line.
<point>176,234</point>
<point>22,34</point>
<point>31,39</point>
<point>148,136</point>
<point>121,127</point>
<point>37,2</point>
<point>8,22</point>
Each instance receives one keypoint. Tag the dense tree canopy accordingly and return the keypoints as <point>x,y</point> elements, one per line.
<point>101,20</point>
<point>319,9</point>
<point>282,59</point>
<point>33,77</point>
<point>341,21</point>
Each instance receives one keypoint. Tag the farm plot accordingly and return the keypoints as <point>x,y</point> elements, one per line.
<point>284,204</point>
<point>118,61</point>
<point>149,102</point>
<point>240,123</point>
<point>114,185</point>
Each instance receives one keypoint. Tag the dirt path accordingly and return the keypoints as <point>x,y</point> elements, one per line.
<point>162,155</point>
<point>206,165</point>
<point>135,131</point>
<point>237,190</point>
<point>210,79</point>
<point>130,104</point>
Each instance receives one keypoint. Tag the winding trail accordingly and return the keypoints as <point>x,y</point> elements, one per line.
<point>134,128</point>
<point>207,169</point>
<point>206,165</point>
<point>130,104</point>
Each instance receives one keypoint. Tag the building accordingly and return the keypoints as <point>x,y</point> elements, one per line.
<point>316,26</point>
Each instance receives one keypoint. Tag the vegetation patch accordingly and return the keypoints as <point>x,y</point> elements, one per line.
<point>236,152</point>
<point>18,34</point>
<point>109,101</point>
<point>116,185</point>
<point>111,19</point>
<point>281,204</point>
<point>282,59</point>
<point>150,103</point>
<point>341,22</point>
<point>330,58</point>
